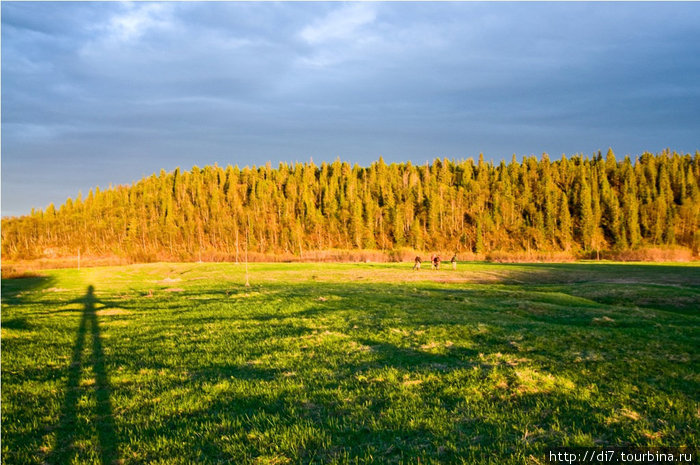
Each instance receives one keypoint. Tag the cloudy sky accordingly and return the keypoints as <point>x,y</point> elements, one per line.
<point>100,93</point>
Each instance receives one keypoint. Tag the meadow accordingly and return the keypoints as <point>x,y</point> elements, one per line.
<point>178,363</point>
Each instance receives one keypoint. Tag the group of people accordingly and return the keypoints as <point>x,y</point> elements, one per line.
<point>435,262</point>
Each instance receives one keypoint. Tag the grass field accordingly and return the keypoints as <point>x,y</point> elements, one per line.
<point>345,363</point>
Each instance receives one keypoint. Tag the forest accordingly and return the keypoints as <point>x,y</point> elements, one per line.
<point>578,205</point>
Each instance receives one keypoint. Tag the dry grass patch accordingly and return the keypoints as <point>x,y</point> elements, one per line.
<point>112,311</point>
<point>412,382</point>
<point>622,415</point>
<point>603,320</point>
<point>631,414</point>
<point>55,289</point>
<point>435,344</point>
<point>245,295</point>
<point>530,381</point>
<point>651,254</point>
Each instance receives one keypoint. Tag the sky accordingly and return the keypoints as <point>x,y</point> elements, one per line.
<point>100,93</point>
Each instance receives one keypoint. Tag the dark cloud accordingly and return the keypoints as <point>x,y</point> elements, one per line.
<point>99,93</point>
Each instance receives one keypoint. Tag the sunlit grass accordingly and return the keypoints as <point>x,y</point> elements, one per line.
<point>339,363</point>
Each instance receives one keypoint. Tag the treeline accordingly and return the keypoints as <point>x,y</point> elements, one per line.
<point>580,205</point>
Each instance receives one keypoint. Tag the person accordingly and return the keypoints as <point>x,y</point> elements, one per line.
<point>417,264</point>
<point>454,261</point>
<point>436,262</point>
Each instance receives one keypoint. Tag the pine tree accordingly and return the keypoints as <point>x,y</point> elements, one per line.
<point>565,224</point>
<point>586,221</point>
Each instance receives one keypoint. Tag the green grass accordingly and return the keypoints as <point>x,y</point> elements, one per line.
<point>342,363</point>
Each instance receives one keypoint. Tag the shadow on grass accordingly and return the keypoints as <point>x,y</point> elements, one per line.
<point>598,272</point>
<point>426,304</point>
<point>19,290</point>
<point>406,358</point>
<point>68,428</point>
<point>215,373</point>
<point>16,323</point>
<point>350,437</point>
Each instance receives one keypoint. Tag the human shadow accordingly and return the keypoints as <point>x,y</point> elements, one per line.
<point>68,430</point>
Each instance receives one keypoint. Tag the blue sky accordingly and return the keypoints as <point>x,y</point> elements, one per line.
<point>99,93</point>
